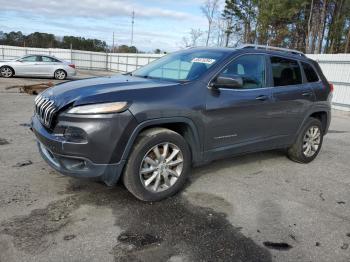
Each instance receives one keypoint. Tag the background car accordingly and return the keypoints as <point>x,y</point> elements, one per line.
<point>37,65</point>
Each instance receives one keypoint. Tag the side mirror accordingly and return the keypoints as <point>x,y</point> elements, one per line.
<point>228,82</point>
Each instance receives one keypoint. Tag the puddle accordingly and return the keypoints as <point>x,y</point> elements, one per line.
<point>337,132</point>
<point>68,237</point>
<point>23,163</point>
<point>139,240</point>
<point>151,231</point>
<point>277,246</point>
<point>3,141</point>
<point>25,124</point>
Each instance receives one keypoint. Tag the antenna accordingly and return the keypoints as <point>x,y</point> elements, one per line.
<point>132,27</point>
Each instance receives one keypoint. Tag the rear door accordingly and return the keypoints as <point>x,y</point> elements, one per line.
<point>292,96</point>
<point>46,66</point>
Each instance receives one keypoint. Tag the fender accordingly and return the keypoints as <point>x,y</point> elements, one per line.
<point>315,109</point>
<point>195,145</point>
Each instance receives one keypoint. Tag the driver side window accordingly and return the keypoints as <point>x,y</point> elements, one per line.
<point>250,68</point>
<point>32,58</point>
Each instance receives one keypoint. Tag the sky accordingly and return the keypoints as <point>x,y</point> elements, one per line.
<point>158,23</point>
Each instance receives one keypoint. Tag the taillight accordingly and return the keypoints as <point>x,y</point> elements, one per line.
<point>72,66</point>
<point>331,87</point>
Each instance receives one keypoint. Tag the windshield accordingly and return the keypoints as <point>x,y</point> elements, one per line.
<point>181,66</point>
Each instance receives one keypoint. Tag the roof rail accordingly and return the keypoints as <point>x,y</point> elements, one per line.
<point>267,47</point>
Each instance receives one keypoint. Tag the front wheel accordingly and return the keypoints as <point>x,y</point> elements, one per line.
<point>309,142</point>
<point>6,71</point>
<point>158,165</point>
<point>60,74</point>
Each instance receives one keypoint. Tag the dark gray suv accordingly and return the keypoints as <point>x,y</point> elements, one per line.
<point>188,108</point>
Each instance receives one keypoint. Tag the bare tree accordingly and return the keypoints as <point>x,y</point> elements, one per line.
<point>209,9</point>
<point>193,39</point>
<point>185,42</point>
<point>219,30</point>
<point>195,35</point>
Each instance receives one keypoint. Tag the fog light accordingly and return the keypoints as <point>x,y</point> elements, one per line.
<point>75,134</point>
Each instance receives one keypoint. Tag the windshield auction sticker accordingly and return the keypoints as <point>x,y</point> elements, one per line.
<point>203,60</point>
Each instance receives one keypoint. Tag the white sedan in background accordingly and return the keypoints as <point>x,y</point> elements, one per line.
<point>37,65</point>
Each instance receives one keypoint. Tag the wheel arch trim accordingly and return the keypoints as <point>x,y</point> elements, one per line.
<point>317,109</point>
<point>13,70</point>
<point>194,146</point>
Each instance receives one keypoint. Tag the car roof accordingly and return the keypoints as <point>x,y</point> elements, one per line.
<point>40,55</point>
<point>285,52</point>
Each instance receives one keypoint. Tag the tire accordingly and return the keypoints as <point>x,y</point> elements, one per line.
<point>298,152</point>
<point>60,74</point>
<point>6,71</point>
<point>137,180</point>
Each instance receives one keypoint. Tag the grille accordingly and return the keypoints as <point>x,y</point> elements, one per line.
<point>45,110</point>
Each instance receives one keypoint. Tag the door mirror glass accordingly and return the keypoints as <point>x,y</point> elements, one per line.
<point>234,82</point>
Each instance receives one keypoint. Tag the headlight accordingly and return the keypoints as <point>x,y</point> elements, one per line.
<point>103,108</point>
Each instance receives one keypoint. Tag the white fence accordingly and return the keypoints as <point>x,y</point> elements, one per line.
<point>84,59</point>
<point>336,67</point>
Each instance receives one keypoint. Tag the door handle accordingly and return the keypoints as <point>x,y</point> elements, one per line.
<point>262,97</point>
<point>306,94</point>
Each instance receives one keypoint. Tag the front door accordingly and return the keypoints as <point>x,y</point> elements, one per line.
<point>26,65</point>
<point>239,117</point>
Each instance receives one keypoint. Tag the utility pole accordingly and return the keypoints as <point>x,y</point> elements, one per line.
<point>132,27</point>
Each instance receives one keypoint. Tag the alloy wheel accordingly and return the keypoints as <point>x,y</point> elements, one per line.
<point>60,74</point>
<point>311,141</point>
<point>6,72</point>
<point>161,167</point>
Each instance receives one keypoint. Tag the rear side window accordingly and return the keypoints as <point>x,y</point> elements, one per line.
<point>285,71</point>
<point>310,73</point>
<point>48,59</point>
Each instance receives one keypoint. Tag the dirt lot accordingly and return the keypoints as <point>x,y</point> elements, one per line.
<point>259,207</point>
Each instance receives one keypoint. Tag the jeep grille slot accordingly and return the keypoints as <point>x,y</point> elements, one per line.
<point>45,109</point>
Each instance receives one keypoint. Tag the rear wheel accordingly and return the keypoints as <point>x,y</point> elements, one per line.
<point>158,165</point>
<point>60,74</point>
<point>6,71</point>
<point>309,142</point>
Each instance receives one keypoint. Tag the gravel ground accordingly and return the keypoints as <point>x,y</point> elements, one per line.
<point>258,207</point>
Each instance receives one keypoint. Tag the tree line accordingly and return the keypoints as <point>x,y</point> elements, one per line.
<point>312,26</point>
<point>45,40</point>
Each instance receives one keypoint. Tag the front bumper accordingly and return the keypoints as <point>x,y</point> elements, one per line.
<point>97,156</point>
<point>82,167</point>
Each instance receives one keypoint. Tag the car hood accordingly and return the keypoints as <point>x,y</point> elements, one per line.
<point>101,89</point>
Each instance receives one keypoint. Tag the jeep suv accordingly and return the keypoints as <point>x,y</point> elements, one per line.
<point>150,126</point>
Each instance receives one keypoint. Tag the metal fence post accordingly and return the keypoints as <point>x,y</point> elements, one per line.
<point>3,53</point>
<point>127,63</point>
<point>90,60</point>
<point>106,61</point>
<point>71,53</point>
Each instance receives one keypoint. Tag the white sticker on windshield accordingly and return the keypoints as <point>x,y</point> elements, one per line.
<point>203,60</point>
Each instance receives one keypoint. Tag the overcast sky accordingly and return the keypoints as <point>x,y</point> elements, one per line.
<point>158,23</point>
